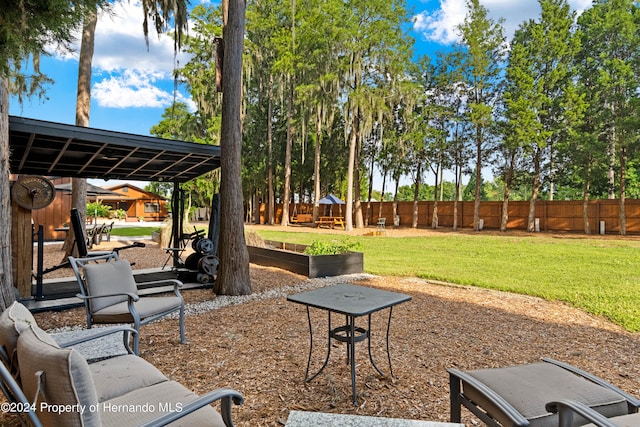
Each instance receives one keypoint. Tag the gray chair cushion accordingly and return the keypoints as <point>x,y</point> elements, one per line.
<point>120,375</point>
<point>14,320</point>
<point>145,307</point>
<point>129,409</point>
<point>66,380</point>
<point>529,387</point>
<point>630,420</point>
<point>109,278</point>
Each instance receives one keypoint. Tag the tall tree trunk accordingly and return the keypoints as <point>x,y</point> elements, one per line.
<point>476,203</point>
<point>395,201</point>
<point>316,163</point>
<point>384,183</point>
<point>289,148</point>
<point>357,204</point>
<point>507,193</point>
<point>534,190</point>
<point>351,167</point>
<point>350,178</point>
<point>271,197</point>
<point>233,275</point>
<point>457,196</point>
<point>416,193</point>
<point>552,172</point>
<point>284,221</point>
<point>83,98</point>
<point>623,191</point>
<point>611,156</point>
<point>434,219</point>
<point>585,200</point>
<point>370,190</point>
<point>7,291</point>
<point>83,112</point>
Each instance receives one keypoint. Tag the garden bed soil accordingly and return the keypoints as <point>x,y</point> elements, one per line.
<point>260,347</point>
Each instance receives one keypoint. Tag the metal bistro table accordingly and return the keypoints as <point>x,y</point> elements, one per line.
<point>352,301</point>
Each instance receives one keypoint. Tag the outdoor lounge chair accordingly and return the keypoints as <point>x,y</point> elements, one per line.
<point>50,385</point>
<point>517,395</point>
<point>110,294</point>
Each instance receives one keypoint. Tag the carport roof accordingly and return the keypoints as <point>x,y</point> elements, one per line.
<point>55,149</point>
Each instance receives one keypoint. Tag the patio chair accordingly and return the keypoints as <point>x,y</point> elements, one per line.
<point>84,243</point>
<point>110,294</point>
<point>90,237</point>
<point>380,227</point>
<point>516,396</point>
<point>96,236</point>
<point>106,232</point>
<point>83,250</point>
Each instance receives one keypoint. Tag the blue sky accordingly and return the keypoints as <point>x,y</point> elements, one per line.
<point>132,86</point>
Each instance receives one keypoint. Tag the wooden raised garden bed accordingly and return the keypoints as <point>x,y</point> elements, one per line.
<point>290,257</point>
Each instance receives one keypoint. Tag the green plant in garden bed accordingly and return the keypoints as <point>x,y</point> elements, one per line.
<point>319,247</point>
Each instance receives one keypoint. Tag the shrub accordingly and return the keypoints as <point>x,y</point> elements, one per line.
<point>318,247</point>
<point>98,209</point>
<point>119,214</point>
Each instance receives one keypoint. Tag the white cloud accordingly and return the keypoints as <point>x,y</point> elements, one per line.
<point>131,89</point>
<point>120,42</point>
<point>125,72</point>
<point>439,24</point>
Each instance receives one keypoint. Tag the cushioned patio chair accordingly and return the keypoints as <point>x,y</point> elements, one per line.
<point>517,395</point>
<point>110,294</point>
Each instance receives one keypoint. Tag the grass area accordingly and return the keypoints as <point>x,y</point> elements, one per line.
<point>600,276</point>
<point>133,231</point>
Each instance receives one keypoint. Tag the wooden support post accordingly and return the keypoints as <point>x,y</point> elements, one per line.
<point>22,249</point>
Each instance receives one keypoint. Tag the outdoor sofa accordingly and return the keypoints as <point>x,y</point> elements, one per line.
<point>50,385</point>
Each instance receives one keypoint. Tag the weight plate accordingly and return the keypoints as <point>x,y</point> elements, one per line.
<point>204,278</point>
<point>204,246</point>
<point>208,264</point>
<point>192,260</point>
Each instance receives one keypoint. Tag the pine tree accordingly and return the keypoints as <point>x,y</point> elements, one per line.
<point>483,53</point>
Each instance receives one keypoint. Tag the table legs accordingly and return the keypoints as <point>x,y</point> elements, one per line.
<point>349,334</point>
<point>326,360</point>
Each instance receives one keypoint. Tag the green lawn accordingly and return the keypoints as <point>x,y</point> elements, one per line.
<point>599,276</point>
<point>133,231</point>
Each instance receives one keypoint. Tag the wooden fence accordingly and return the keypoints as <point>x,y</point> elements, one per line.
<point>561,216</point>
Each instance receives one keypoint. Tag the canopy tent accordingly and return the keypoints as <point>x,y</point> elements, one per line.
<point>330,199</point>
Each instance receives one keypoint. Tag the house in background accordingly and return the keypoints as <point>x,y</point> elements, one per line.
<point>139,204</point>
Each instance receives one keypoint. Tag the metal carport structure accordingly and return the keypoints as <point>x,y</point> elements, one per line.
<point>46,148</point>
<point>55,149</point>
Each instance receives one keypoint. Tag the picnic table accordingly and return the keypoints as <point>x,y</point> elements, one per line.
<point>331,221</point>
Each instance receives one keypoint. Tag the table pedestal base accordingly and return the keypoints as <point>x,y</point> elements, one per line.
<point>349,334</point>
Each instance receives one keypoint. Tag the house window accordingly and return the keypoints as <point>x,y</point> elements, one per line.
<point>151,207</point>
